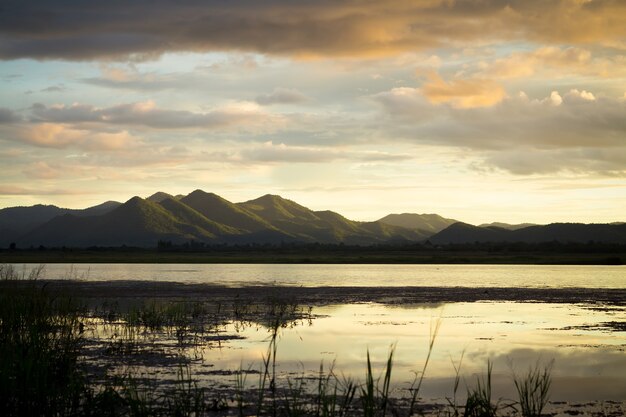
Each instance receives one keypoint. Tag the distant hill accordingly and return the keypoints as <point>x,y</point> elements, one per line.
<point>462,233</point>
<point>202,217</point>
<point>17,221</point>
<point>324,226</point>
<point>431,223</point>
<point>270,219</point>
<point>507,225</point>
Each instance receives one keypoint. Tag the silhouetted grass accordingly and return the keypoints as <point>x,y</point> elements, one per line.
<point>533,389</point>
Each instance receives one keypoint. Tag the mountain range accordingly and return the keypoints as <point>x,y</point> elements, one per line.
<point>208,218</point>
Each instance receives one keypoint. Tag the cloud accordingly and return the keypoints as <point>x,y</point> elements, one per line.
<point>406,103</point>
<point>54,89</point>
<point>8,116</point>
<point>18,190</point>
<point>147,114</point>
<point>281,96</point>
<point>462,93</point>
<point>132,79</point>
<point>555,61</point>
<point>67,29</point>
<point>59,136</point>
<point>270,152</point>
<point>42,170</point>
<point>575,130</point>
<point>528,161</point>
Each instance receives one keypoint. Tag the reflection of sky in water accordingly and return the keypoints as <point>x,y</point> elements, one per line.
<point>311,275</point>
<point>589,363</point>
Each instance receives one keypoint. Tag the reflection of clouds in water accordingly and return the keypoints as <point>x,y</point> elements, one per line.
<point>590,368</point>
<point>577,374</point>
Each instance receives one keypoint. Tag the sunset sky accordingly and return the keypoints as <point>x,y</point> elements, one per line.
<point>478,110</point>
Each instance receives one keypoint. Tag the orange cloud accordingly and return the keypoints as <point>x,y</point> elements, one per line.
<point>560,61</point>
<point>462,93</point>
<point>54,135</point>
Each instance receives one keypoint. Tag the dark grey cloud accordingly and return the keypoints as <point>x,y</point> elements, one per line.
<point>8,116</point>
<point>83,30</point>
<point>10,77</point>
<point>54,89</point>
<point>142,114</point>
<point>281,96</point>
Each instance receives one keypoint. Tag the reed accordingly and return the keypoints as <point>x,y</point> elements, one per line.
<point>533,388</point>
<point>479,402</point>
<point>374,397</point>
<point>416,385</point>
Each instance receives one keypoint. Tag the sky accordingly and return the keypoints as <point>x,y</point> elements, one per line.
<point>477,110</point>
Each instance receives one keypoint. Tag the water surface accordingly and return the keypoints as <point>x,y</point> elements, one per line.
<point>523,276</point>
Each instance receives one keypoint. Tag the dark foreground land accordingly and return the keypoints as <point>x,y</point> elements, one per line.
<point>551,253</point>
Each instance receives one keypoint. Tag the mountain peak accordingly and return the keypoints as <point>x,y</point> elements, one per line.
<point>220,210</point>
<point>134,200</point>
<point>431,223</point>
<point>203,194</point>
<point>196,192</point>
<point>159,196</point>
<point>268,198</point>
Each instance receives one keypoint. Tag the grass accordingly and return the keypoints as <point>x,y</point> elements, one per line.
<point>46,340</point>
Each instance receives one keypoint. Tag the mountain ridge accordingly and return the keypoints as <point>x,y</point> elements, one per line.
<point>208,219</point>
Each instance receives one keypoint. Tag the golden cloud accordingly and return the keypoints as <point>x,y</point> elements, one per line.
<point>560,61</point>
<point>55,135</point>
<point>462,93</point>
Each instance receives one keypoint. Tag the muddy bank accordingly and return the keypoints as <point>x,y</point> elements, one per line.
<point>316,296</point>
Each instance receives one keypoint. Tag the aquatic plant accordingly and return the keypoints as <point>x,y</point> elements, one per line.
<point>533,388</point>
<point>375,399</point>
<point>416,385</point>
<point>479,402</point>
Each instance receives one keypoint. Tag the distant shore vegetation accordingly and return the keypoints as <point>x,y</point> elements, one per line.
<point>594,253</point>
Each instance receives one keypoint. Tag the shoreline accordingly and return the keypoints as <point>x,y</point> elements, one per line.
<point>366,255</point>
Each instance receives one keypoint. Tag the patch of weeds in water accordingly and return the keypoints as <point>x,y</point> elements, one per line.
<point>533,389</point>
<point>374,398</point>
<point>479,403</point>
<point>40,341</point>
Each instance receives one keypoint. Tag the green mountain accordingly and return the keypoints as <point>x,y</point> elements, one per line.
<point>220,210</point>
<point>159,196</point>
<point>208,218</point>
<point>323,226</point>
<point>187,215</point>
<point>137,222</point>
<point>429,223</point>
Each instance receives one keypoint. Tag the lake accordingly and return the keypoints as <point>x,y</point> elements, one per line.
<point>314,275</point>
<point>586,342</point>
